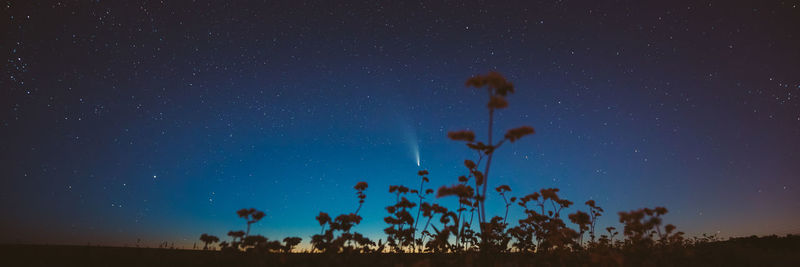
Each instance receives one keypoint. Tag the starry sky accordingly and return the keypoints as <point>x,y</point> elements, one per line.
<point>156,120</point>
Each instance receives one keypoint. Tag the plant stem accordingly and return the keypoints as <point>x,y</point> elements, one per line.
<point>507,205</point>
<point>426,228</point>
<point>459,224</point>
<point>246,234</point>
<point>419,209</point>
<point>488,164</point>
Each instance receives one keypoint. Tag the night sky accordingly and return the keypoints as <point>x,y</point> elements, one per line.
<point>158,120</point>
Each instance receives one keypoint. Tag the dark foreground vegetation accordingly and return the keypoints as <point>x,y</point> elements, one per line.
<point>750,251</point>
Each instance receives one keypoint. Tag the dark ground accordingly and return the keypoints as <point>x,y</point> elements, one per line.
<point>764,251</point>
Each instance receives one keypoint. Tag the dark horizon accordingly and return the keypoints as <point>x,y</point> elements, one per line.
<point>157,122</point>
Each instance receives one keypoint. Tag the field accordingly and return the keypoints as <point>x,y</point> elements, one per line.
<point>764,251</point>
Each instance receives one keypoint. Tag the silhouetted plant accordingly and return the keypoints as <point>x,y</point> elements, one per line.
<point>502,191</point>
<point>251,216</point>
<point>641,225</point>
<point>234,236</point>
<point>546,226</point>
<point>439,238</point>
<point>324,240</point>
<point>705,238</point>
<point>363,244</point>
<point>422,193</point>
<point>360,187</point>
<point>612,232</point>
<point>259,243</point>
<point>290,243</point>
<point>428,211</point>
<point>252,241</point>
<point>583,221</point>
<point>594,212</point>
<point>400,233</point>
<point>466,199</point>
<point>497,88</point>
<point>646,243</point>
<point>328,242</point>
<point>495,237</point>
<point>208,239</point>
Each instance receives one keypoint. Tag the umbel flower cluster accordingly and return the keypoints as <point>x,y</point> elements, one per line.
<point>417,223</point>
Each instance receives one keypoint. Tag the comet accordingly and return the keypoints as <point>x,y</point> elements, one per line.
<point>413,143</point>
<point>416,153</point>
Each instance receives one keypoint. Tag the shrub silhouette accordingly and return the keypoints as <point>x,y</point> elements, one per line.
<point>208,239</point>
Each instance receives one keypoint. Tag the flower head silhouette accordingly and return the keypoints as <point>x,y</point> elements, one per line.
<point>361,186</point>
<point>464,135</point>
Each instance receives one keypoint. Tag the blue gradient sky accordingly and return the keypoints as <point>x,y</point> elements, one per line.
<point>126,121</point>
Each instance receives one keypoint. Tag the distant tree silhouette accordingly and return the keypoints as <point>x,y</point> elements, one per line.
<point>208,239</point>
